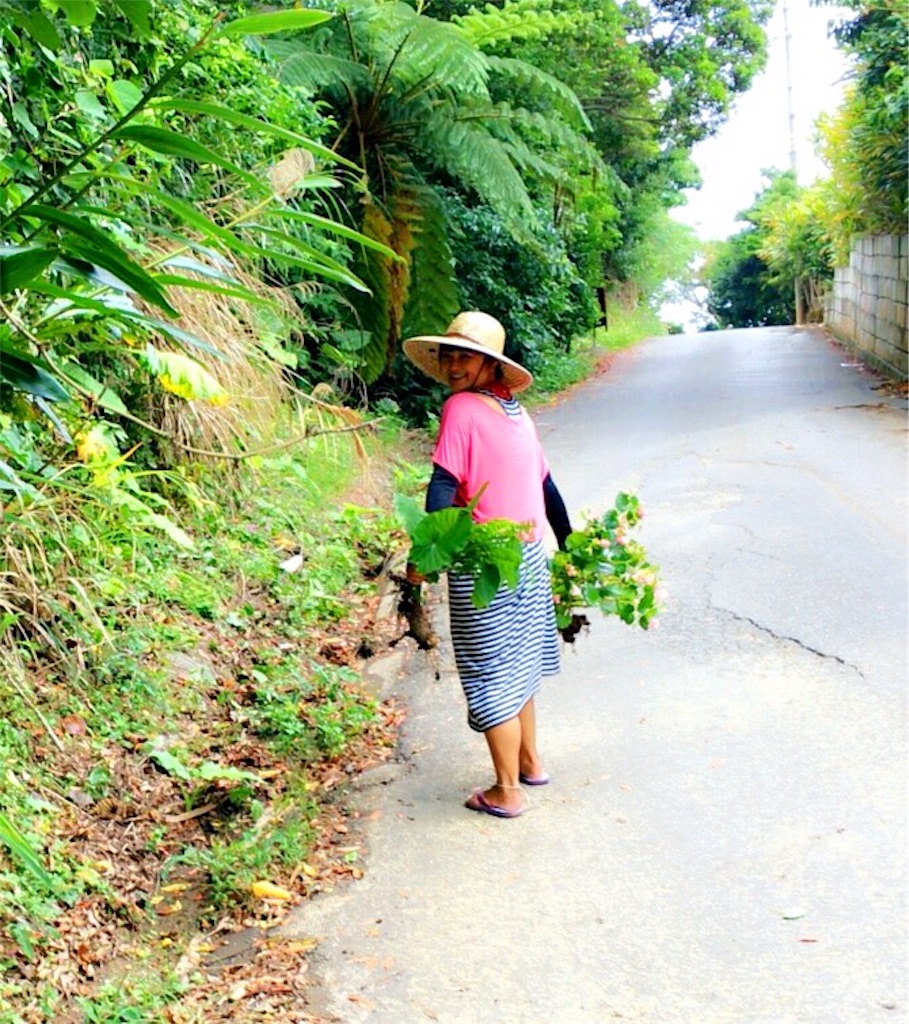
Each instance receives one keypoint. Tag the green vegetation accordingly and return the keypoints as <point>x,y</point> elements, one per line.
<point>779,267</point>
<point>217,222</point>
<point>179,743</point>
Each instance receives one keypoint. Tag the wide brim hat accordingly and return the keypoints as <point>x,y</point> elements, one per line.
<point>475,332</point>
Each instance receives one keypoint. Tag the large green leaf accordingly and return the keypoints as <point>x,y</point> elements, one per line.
<point>408,511</point>
<point>103,394</point>
<point>27,373</point>
<point>275,21</point>
<point>92,244</point>
<point>253,123</point>
<point>334,228</point>
<point>138,12</point>
<point>438,538</point>
<point>19,266</point>
<point>162,140</point>
<point>37,25</point>
<point>80,13</point>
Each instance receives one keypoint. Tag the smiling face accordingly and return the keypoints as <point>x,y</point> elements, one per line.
<point>465,370</point>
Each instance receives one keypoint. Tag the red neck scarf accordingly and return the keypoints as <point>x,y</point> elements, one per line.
<point>498,389</point>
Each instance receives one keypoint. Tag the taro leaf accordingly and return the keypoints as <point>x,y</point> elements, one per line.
<point>27,374</point>
<point>409,512</point>
<point>486,586</point>
<point>438,538</point>
<point>18,268</point>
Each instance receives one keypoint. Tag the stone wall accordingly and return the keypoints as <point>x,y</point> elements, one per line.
<point>867,307</point>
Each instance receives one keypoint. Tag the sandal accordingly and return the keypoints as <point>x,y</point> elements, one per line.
<point>478,802</point>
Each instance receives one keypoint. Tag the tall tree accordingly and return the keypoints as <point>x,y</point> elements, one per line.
<point>416,100</point>
<point>866,142</point>
<point>654,79</point>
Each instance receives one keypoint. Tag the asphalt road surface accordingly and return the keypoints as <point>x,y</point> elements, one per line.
<point>724,839</point>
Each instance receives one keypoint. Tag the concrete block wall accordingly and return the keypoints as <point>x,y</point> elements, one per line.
<point>867,306</point>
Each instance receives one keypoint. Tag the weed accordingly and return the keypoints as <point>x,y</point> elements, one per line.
<point>278,840</point>
<point>141,1000</point>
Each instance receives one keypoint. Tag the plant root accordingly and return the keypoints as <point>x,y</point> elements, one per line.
<point>578,624</point>
<point>412,609</point>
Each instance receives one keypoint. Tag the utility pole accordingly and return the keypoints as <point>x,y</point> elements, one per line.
<point>797,284</point>
<point>791,111</point>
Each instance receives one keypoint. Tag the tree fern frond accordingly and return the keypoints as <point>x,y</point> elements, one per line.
<point>517,19</point>
<point>306,69</point>
<point>433,298</point>
<point>549,92</point>
<point>531,130</point>
<point>466,150</point>
<point>419,46</point>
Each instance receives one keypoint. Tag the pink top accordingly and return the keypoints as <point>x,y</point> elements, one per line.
<point>479,445</point>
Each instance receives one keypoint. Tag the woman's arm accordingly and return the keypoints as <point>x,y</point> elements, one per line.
<point>556,512</point>
<point>443,486</point>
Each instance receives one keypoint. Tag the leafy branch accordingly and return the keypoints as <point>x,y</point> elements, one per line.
<point>603,567</point>
<point>449,540</point>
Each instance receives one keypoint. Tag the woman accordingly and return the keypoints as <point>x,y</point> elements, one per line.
<point>488,447</point>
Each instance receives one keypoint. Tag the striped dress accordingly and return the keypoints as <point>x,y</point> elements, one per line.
<point>503,651</point>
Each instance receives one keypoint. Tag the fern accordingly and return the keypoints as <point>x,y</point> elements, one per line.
<point>311,71</point>
<point>467,151</point>
<point>418,47</point>
<point>433,299</point>
<point>517,19</point>
<point>548,92</point>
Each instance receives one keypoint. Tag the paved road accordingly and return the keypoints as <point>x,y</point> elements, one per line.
<point>724,841</point>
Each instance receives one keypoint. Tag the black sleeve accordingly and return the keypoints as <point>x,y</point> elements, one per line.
<point>443,486</point>
<point>556,512</point>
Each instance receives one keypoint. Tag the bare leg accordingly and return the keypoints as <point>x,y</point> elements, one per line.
<point>504,743</point>
<point>529,759</point>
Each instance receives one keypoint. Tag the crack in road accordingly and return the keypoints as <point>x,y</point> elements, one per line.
<point>791,639</point>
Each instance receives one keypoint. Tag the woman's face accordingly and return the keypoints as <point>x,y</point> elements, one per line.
<point>465,370</point>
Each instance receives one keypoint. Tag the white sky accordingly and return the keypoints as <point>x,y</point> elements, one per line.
<point>757,136</point>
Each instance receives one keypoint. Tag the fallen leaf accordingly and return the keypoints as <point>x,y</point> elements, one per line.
<point>270,891</point>
<point>300,945</point>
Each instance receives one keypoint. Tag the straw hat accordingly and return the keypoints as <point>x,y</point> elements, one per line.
<point>475,332</point>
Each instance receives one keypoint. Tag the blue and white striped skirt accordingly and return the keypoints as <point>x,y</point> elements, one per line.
<point>503,651</point>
